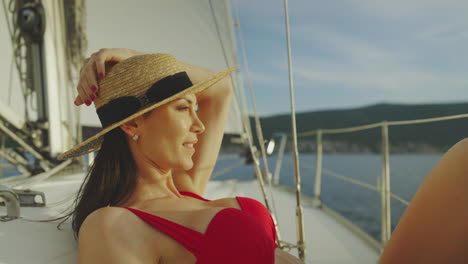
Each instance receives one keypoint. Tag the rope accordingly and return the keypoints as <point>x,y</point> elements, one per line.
<point>297,175</point>
<point>259,134</point>
<point>219,34</point>
<point>255,113</point>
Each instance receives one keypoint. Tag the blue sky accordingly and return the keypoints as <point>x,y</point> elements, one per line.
<point>346,53</point>
<point>354,53</point>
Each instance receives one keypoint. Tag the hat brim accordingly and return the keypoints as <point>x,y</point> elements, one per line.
<point>94,142</point>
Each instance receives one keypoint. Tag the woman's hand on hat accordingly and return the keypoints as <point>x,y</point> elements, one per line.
<point>94,68</point>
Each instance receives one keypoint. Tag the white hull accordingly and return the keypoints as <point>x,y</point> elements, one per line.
<point>24,242</point>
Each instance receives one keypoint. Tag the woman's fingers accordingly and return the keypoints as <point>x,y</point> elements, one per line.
<point>87,87</point>
<point>84,90</point>
<point>85,62</point>
<point>94,69</point>
<point>92,85</point>
<point>78,100</point>
<point>82,96</point>
<point>100,62</point>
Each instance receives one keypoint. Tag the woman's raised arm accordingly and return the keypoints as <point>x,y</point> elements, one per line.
<point>213,109</point>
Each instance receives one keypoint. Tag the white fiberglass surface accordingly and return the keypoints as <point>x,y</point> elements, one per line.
<point>22,241</point>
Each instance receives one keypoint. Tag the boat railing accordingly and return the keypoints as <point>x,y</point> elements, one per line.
<point>383,186</point>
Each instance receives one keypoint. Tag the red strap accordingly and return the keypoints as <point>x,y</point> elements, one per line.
<point>192,240</point>
<point>194,195</point>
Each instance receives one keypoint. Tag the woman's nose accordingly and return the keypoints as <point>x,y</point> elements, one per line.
<point>197,125</point>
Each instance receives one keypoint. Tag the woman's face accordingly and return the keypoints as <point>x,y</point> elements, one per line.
<point>169,132</point>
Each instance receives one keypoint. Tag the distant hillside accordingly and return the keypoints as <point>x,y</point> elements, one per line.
<point>431,137</point>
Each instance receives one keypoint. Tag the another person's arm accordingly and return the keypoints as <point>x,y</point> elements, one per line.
<point>434,228</point>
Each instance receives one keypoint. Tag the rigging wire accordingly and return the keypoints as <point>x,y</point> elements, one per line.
<point>218,33</point>
<point>299,211</point>
<point>259,132</point>
<point>242,105</point>
<point>10,80</point>
<point>237,107</point>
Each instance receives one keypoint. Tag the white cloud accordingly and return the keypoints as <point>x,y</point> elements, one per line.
<point>411,10</point>
<point>265,78</point>
<point>403,51</point>
<point>342,44</point>
<point>444,34</point>
<point>400,83</point>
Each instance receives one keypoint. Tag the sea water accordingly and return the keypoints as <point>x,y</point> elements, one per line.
<point>360,205</point>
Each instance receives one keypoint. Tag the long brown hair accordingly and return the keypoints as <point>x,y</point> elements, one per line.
<point>110,180</point>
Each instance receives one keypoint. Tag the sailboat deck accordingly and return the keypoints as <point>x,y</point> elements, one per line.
<point>327,240</point>
<point>22,241</point>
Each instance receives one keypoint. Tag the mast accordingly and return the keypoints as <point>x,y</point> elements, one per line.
<point>297,176</point>
<point>41,52</point>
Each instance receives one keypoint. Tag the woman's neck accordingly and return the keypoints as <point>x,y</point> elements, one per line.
<point>153,185</point>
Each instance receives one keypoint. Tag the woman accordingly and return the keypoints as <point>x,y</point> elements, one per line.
<point>140,202</point>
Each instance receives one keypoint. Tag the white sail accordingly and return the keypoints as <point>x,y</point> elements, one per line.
<point>197,32</point>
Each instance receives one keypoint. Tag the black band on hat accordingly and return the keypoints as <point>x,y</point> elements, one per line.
<point>123,107</point>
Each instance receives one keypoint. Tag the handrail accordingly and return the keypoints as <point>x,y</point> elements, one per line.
<point>384,186</point>
<point>345,178</point>
<point>356,182</point>
<point>378,124</point>
<point>339,130</point>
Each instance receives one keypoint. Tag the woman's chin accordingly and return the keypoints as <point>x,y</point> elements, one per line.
<point>187,165</point>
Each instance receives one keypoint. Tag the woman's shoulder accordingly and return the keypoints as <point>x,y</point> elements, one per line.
<point>114,226</point>
<point>105,219</point>
<point>107,223</point>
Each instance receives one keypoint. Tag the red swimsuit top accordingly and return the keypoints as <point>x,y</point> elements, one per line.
<point>233,236</point>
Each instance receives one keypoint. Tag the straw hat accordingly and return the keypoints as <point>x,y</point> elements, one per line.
<point>135,86</point>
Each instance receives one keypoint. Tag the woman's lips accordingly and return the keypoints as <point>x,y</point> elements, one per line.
<point>189,145</point>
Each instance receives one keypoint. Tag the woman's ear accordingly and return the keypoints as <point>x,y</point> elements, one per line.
<point>131,127</point>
